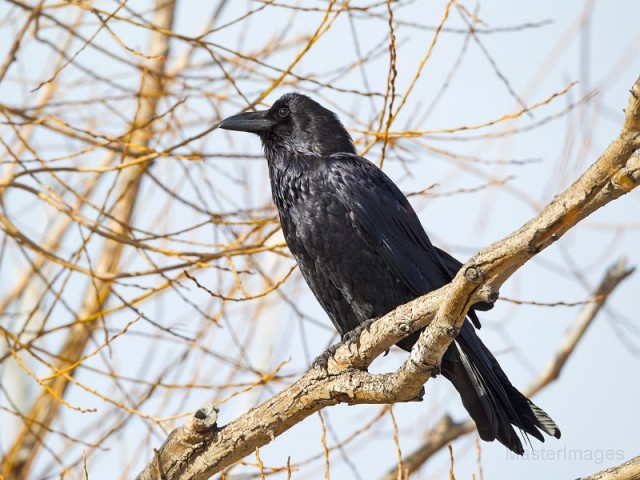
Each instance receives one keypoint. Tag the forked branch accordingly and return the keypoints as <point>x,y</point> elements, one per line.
<point>200,448</point>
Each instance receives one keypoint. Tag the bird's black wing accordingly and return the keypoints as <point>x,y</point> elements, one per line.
<point>386,215</point>
<point>381,209</point>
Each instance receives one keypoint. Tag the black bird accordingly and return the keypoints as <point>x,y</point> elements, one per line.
<point>363,252</point>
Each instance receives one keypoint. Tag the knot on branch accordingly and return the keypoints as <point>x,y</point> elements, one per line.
<point>489,293</point>
<point>204,420</point>
<point>403,329</point>
<point>474,274</point>
<point>451,332</point>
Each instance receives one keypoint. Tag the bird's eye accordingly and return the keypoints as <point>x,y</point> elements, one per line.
<point>283,112</point>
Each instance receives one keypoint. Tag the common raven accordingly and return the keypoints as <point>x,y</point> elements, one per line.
<point>363,252</point>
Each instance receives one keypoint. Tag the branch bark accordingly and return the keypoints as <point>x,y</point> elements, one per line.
<point>447,431</point>
<point>191,453</point>
<point>45,408</point>
<point>629,470</point>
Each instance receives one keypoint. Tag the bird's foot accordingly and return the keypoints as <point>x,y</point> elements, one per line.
<point>350,338</point>
<point>353,336</point>
<point>322,361</point>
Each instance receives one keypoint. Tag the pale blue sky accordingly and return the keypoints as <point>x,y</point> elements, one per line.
<point>595,401</point>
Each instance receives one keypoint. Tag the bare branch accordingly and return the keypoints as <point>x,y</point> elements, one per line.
<point>626,471</point>
<point>45,408</point>
<point>614,275</point>
<point>446,430</point>
<point>615,173</point>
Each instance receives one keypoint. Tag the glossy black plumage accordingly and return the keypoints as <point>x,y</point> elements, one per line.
<point>362,251</point>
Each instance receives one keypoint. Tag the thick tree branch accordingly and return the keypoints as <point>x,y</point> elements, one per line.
<point>198,455</point>
<point>627,471</point>
<point>446,430</point>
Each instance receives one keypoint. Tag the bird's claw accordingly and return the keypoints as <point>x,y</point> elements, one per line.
<point>353,336</point>
<point>321,362</point>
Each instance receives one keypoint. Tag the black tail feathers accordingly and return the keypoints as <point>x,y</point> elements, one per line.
<point>495,405</point>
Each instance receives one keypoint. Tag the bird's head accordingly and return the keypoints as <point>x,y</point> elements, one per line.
<point>296,124</point>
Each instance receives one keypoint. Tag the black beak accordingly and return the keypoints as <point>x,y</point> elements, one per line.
<point>254,122</point>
